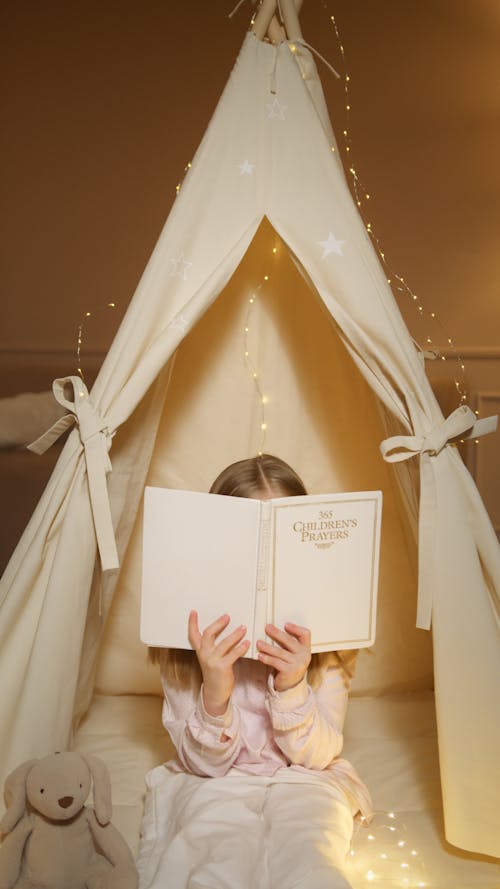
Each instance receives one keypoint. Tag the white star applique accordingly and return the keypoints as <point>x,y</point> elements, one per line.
<point>276,109</point>
<point>179,323</point>
<point>246,168</point>
<point>331,245</point>
<point>179,267</point>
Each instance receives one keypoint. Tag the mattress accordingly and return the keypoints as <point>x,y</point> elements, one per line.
<point>392,742</point>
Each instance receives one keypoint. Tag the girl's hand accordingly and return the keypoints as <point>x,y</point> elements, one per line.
<point>216,660</point>
<point>291,659</point>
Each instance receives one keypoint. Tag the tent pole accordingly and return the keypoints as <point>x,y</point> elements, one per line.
<point>291,20</point>
<point>276,32</point>
<point>263,19</point>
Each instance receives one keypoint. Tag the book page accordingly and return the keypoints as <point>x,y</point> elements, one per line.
<point>325,567</point>
<point>199,552</point>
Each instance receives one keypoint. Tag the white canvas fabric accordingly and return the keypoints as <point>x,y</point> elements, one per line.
<point>265,155</point>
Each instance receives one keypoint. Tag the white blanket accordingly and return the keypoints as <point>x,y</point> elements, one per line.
<point>243,831</point>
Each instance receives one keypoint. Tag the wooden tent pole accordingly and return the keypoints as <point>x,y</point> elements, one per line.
<point>291,19</point>
<point>263,19</point>
<point>276,32</point>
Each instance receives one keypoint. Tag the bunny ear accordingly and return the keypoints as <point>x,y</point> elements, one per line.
<point>102,788</point>
<point>15,795</point>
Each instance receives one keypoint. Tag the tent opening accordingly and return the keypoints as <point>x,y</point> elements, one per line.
<point>321,417</point>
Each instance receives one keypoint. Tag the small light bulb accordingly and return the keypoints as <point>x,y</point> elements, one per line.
<point>266,277</point>
<point>275,249</point>
<point>88,314</point>
<point>254,376</point>
<point>402,843</point>
<point>246,329</point>
<point>414,852</point>
<point>383,855</point>
<point>264,399</point>
<point>404,864</point>
<point>370,875</point>
<point>251,300</point>
<point>370,836</point>
<point>263,426</point>
<point>111,305</point>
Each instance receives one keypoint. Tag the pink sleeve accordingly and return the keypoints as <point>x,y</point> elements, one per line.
<point>308,723</point>
<point>206,745</point>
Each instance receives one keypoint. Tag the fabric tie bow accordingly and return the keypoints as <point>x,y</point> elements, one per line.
<point>96,437</point>
<point>463,424</point>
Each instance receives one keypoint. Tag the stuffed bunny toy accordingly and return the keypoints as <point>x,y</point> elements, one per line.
<point>51,839</point>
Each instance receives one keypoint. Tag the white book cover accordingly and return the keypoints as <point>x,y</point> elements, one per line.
<point>312,560</point>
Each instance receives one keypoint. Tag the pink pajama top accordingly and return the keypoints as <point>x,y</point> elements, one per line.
<point>264,730</point>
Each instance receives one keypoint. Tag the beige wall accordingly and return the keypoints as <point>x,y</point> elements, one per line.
<point>106,102</point>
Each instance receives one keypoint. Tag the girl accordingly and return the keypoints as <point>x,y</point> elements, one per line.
<point>257,797</point>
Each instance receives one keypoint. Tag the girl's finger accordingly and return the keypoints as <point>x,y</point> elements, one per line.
<point>238,651</point>
<point>227,643</point>
<point>194,634</point>
<point>216,626</point>
<point>302,634</point>
<point>287,641</point>
<point>273,651</point>
<point>278,663</point>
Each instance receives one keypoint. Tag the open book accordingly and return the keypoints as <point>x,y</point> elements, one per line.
<point>312,560</point>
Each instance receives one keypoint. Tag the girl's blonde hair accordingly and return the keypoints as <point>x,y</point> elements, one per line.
<point>254,477</point>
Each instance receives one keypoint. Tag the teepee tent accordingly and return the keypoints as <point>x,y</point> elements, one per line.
<point>264,177</point>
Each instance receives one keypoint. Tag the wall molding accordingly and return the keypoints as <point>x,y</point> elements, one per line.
<point>47,354</point>
<point>471,353</point>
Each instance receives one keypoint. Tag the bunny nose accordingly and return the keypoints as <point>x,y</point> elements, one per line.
<point>65,801</point>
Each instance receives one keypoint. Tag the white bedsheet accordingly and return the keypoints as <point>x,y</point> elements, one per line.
<point>391,741</point>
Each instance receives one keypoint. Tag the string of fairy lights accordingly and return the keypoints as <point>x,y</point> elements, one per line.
<point>382,852</point>
<point>79,340</point>
<point>396,281</point>
<point>250,362</point>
